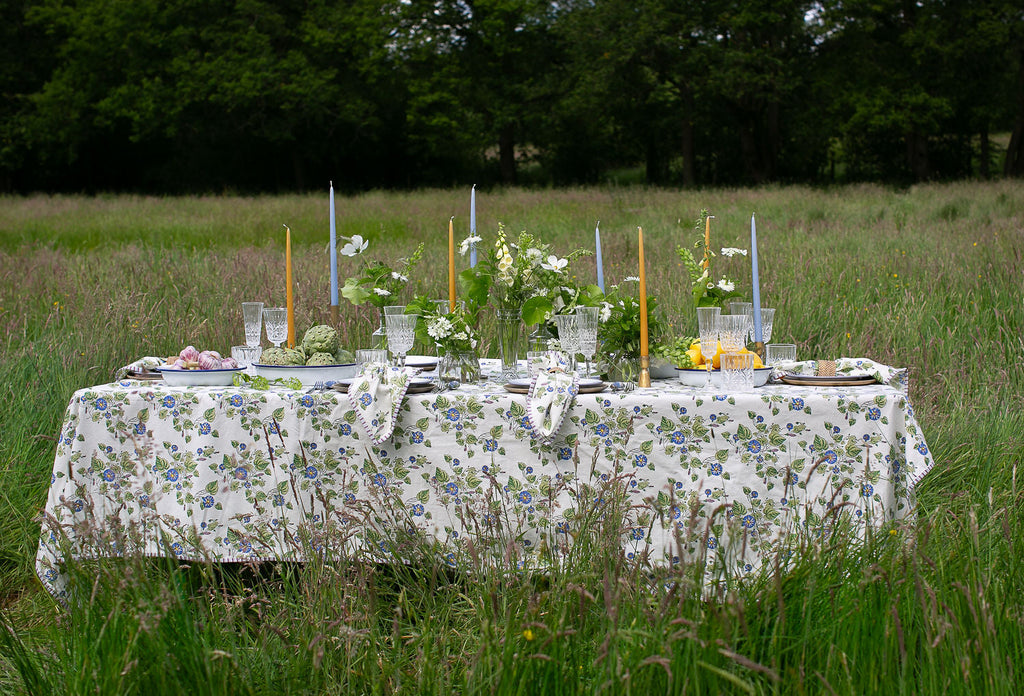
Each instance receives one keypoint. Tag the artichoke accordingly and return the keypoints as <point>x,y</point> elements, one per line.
<point>282,356</point>
<point>321,358</point>
<point>344,357</point>
<point>320,339</point>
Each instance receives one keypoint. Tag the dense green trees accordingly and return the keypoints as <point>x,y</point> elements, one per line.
<point>200,95</point>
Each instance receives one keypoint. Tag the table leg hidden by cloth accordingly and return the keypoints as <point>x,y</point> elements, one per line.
<point>236,474</point>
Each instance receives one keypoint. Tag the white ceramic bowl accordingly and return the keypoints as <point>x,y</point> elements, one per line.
<point>662,369</point>
<point>199,378</point>
<point>308,374</point>
<point>698,376</point>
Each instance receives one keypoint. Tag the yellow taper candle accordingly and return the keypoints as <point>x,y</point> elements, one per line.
<point>451,264</point>
<point>290,300</point>
<point>707,243</point>
<point>643,298</point>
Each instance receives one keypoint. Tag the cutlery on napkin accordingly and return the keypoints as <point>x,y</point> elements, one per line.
<point>848,367</point>
<point>551,396</point>
<point>376,394</point>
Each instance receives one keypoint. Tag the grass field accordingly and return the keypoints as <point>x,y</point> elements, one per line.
<point>930,278</point>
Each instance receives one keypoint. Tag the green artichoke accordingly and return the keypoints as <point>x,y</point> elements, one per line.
<point>321,358</point>
<point>282,356</point>
<point>320,339</point>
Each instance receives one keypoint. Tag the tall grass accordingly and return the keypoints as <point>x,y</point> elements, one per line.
<point>928,278</point>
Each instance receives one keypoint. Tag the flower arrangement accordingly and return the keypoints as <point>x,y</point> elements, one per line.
<point>706,292</point>
<point>619,331</point>
<point>378,283</point>
<point>452,332</point>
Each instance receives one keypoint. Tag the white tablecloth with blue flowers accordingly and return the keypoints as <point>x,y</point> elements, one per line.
<point>666,475</point>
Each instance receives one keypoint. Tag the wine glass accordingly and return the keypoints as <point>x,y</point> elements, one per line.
<point>732,332</point>
<point>401,331</point>
<point>767,321</point>
<point>569,336</point>
<point>588,319</point>
<point>252,317</point>
<point>707,329</point>
<point>275,319</point>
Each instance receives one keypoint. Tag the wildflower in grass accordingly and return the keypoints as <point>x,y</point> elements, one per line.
<point>468,243</point>
<point>528,634</point>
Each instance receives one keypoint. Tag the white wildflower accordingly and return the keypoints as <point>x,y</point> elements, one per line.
<point>555,264</point>
<point>534,255</point>
<point>606,311</point>
<point>382,292</point>
<point>635,279</point>
<point>355,246</point>
<point>398,276</point>
<point>732,251</point>
<point>726,286</point>
<point>439,328</point>
<point>467,243</point>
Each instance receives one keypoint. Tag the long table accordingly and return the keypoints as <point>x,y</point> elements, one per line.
<point>670,474</point>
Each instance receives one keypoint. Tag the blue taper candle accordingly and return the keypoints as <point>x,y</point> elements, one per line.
<point>600,265</point>
<point>754,281</point>
<point>334,254</point>
<point>472,226</point>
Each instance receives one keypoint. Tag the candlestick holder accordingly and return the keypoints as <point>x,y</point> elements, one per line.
<point>759,349</point>
<point>645,372</point>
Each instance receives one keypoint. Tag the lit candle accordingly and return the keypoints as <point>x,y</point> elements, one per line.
<point>643,298</point>
<point>451,264</point>
<point>334,254</point>
<point>600,265</point>
<point>472,226</point>
<point>754,281</point>
<point>290,300</point>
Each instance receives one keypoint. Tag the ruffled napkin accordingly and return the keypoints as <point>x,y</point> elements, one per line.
<point>551,395</point>
<point>850,367</point>
<point>146,364</point>
<point>376,394</point>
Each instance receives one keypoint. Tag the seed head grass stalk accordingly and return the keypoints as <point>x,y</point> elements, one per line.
<point>928,278</point>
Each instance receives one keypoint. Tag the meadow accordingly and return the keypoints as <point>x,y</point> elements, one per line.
<point>929,278</point>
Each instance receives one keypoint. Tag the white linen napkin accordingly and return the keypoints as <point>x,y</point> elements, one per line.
<point>376,394</point>
<point>851,367</point>
<point>551,396</point>
<point>142,364</point>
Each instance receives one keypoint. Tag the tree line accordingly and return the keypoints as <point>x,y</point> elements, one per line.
<point>281,95</point>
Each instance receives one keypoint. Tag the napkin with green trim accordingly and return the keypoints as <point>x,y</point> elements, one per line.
<point>850,367</point>
<point>376,394</point>
<point>551,396</point>
<point>146,364</point>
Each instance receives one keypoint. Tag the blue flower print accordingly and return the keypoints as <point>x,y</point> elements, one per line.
<point>524,422</point>
<point>712,542</point>
<point>753,494</point>
<point>311,472</point>
<point>793,478</point>
<point>867,490</point>
<point>525,497</point>
<point>278,499</point>
<point>637,534</point>
<point>453,414</point>
<point>171,475</point>
<point>602,430</point>
<point>235,400</point>
<point>564,453</point>
<point>716,469</point>
<point>168,402</point>
<point>380,480</point>
<point>78,505</point>
<point>144,500</point>
<point>677,437</point>
<point>50,575</point>
<point>451,488</point>
<point>350,497</point>
<point>101,404</point>
<point>748,521</point>
<point>529,470</point>
<point>306,401</point>
<point>640,460</point>
<point>490,445</point>
<point>417,510</point>
<point>206,501</point>
<point>416,437</point>
<point>830,456</point>
<point>796,404</point>
<point>922,448</point>
<point>272,427</point>
<point>177,548</point>
<point>140,428</point>
<point>345,429</point>
<point>204,428</point>
<point>244,547</point>
<point>241,473</point>
<point>108,475</point>
<point>754,446</point>
<point>677,512</point>
<point>365,400</point>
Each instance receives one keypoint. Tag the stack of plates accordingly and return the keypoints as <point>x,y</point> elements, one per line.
<point>587,386</point>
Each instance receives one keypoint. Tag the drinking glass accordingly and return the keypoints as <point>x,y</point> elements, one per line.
<point>588,319</point>
<point>767,319</point>
<point>247,356</point>
<point>740,307</point>
<point>252,317</point>
<point>569,336</point>
<point>275,319</point>
<point>371,355</point>
<point>707,329</point>
<point>780,352</point>
<point>738,371</point>
<point>732,332</point>
<point>401,331</point>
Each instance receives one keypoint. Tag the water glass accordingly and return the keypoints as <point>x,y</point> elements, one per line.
<point>737,371</point>
<point>588,322</point>
<point>252,316</point>
<point>779,353</point>
<point>732,332</point>
<point>371,355</point>
<point>247,356</point>
<point>707,329</point>
<point>275,319</point>
<point>741,307</point>
<point>401,332</point>
<point>569,335</point>
<point>767,319</point>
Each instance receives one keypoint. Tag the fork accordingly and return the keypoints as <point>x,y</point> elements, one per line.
<point>318,386</point>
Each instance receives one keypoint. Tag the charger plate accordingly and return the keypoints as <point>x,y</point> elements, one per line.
<point>416,386</point>
<point>587,386</point>
<point>819,381</point>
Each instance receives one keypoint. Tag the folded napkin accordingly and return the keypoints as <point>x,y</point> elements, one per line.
<point>145,364</point>
<point>551,395</point>
<point>850,367</point>
<point>376,394</point>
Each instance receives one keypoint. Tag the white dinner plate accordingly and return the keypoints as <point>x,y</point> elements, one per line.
<point>421,362</point>
<point>588,385</point>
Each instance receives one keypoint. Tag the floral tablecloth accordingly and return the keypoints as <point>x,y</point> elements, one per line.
<point>670,474</point>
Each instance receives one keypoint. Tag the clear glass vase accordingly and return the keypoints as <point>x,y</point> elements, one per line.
<point>459,367</point>
<point>379,338</point>
<point>509,331</point>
